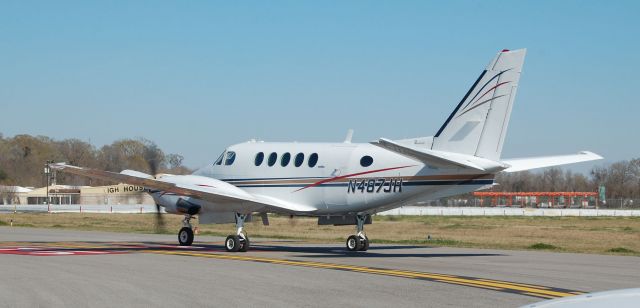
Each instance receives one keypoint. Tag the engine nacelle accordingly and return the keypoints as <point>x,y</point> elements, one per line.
<point>182,206</point>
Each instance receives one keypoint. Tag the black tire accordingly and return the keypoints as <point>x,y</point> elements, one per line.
<point>245,244</point>
<point>185,236</point>
<point>353,243</point>
<point>365,244</point>
<point>232,243</point>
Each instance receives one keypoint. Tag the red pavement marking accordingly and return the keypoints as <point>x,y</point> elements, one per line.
<point>30,251</point>
<point>122,248</point>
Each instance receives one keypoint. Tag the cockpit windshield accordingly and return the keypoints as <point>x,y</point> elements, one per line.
<point>228,157</point>
<point>219,160</point>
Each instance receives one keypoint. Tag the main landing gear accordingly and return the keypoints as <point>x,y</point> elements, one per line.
<point>185,236</point>
<point>239,241</point>
<point>359,241</point>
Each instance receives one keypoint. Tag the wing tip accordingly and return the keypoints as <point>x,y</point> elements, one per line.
<point>592,155</point>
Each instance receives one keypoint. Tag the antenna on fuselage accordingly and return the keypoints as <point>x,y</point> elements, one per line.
<point>349,136</point>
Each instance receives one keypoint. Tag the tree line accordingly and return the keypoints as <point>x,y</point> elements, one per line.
<point>23,157</point>
<point>620,179</point>
<point>22,161</point>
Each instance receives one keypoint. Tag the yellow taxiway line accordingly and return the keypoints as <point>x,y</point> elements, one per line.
<point>497,285</point>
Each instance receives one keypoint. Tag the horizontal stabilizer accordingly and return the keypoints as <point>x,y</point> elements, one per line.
<point>440,158</point>
<point>521,164</point>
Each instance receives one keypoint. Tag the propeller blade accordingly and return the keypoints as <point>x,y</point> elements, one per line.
<point>160,227</point>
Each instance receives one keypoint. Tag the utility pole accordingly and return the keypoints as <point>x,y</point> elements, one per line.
<point>47,173</point>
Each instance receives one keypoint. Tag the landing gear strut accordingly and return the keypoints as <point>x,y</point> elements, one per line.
<point>240,240</point>
<point>185,236</point>
<point>359,241</point>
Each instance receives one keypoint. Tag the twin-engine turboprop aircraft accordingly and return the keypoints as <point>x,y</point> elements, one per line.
<point>344,183</point>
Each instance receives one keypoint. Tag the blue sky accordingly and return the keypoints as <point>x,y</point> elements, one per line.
<point>197,76</point>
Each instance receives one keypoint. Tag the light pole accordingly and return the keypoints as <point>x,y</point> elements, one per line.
<point>47,173</point>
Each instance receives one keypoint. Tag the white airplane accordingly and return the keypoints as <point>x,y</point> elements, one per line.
<point>345,183</point>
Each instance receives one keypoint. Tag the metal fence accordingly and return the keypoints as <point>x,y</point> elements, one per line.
<point>80,208</point>
<point>622,203</point>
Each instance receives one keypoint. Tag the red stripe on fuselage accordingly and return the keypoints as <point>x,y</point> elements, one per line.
<point>350,175</point>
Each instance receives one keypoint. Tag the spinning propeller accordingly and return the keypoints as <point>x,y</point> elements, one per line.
<point>153,156</point>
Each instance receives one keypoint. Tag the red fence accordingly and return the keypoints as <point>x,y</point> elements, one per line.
<point>539,199</point>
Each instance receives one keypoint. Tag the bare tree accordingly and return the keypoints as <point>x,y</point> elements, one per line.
<point>8,195</point>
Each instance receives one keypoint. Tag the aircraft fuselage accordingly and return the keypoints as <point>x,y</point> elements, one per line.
<point>346,178</point>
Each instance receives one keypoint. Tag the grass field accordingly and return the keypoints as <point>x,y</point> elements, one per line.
<point>602,235</point>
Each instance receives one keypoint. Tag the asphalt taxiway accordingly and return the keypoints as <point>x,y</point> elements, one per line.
<point>44,267</point>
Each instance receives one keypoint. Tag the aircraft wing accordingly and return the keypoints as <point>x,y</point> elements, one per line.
<point>521,164</point>
<point>186,185</point>
<point>440,158</point>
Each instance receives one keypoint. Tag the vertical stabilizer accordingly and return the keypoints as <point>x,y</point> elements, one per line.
<point>479,123</point>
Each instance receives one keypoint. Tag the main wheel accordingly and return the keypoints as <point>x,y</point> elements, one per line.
<point>365,244</point>
<point>353,243</point>
<point>232,243</point>
<point>185,236</point>
<point>244,243</point>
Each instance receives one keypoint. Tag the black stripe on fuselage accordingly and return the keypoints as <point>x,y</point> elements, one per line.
<point>407,183</point>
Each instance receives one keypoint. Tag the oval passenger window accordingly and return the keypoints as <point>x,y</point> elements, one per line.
<point>272,159</point>
<point>284,161</point>
<point>313,160</point>
<point>299,159</point>
<point>259,158</point>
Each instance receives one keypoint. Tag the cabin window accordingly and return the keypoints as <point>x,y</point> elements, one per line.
<point>272,159</point>
<point>231,157</point>
<point>313,160</point>
<point>284,161</point>
<point>259,158</point>
<point>366,161</point>
<point>299,159</point>
<point>219,160</point>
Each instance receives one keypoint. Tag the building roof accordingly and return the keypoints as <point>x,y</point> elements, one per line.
<point>18,189</point>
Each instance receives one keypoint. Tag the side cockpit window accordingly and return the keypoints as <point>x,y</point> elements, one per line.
<point>230,158</point>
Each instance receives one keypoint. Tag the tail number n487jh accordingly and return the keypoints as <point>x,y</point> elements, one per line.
<point>379,185</point>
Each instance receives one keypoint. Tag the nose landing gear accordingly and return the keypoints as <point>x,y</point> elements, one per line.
<point>359,241</point>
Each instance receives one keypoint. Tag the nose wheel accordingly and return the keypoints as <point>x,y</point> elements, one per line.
<point>358,241</point>
<point>185,236</point>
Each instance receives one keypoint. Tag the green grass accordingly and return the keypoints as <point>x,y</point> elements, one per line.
<point>621,250</point>
<point>557,234</point>
<point>542,246</point>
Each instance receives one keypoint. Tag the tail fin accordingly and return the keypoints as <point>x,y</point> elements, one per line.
<point>479,123</point>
